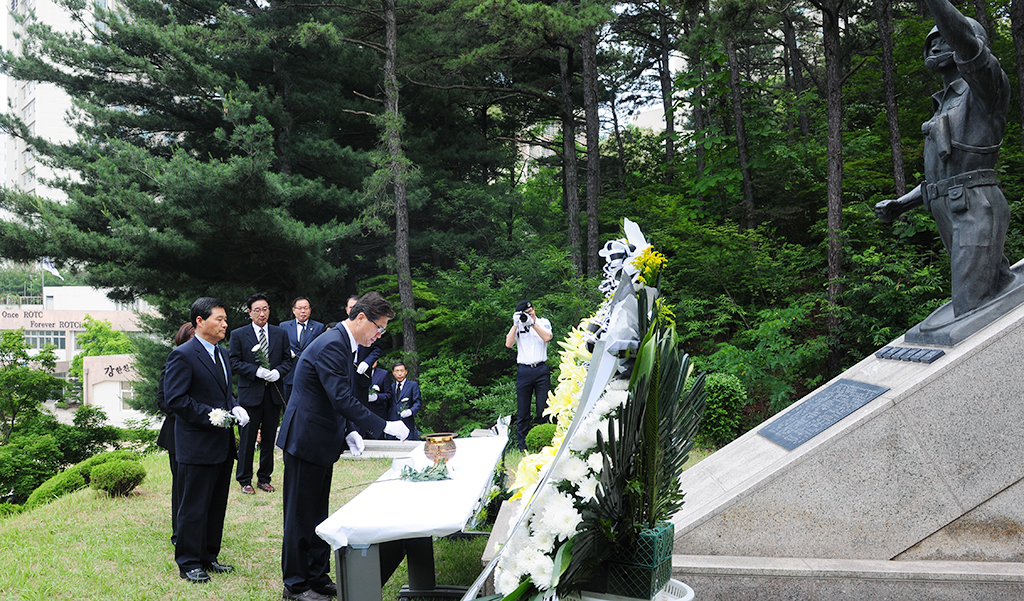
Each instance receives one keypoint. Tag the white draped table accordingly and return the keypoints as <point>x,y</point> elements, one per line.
<point>392,518</point>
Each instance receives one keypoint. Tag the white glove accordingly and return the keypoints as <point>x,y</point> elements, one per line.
<point>362,368</point>
<point>397,429</point>
<point>241,415</point>
<point>273,375</point>
<point>293,354</point>
<point>372,398</point>
<point>406,412</point>
<point>262,372</point>
<point>355,443</point>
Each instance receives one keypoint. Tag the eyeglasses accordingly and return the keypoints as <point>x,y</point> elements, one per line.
<point>380,330</point>
<point>260,310</point>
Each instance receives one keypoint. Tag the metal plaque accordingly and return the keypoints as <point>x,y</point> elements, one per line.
<point>816,414</point>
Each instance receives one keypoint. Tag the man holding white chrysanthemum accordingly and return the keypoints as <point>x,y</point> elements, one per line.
<point>197,388</point>
<point>530,334</point>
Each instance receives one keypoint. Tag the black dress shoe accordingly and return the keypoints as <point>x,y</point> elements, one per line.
<point>330,589</point>
<point>219,568</point>
<point>196,576</point>
<point>309,595</point>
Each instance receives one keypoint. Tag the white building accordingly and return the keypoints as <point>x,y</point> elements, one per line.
<point>43,107</point>
<point>108,383</point>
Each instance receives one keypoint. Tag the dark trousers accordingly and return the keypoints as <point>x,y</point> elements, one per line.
<point>531,383</point>
<point>175,496</point>
<point>204,501</point>
<point>305,557</point>
<point>263,419</point>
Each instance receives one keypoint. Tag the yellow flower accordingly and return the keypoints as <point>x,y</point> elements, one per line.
<point>649,264</point>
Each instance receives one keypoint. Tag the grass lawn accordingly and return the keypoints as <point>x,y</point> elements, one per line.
<point>89,546</point>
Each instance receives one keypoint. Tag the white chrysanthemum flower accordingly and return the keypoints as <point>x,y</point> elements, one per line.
<point>585,437</point>
<point>560,516</point>
<point>505,581</point>
<point>588,488</point>
<point>571,468</point>
<point>595,462</point>
<point>541,569</point>
<point>601,407</point>
<point>543,540</point>
<point>219,417</point>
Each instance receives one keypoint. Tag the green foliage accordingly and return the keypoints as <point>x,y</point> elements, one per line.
<point>99,338</point>
<point>723,413</point>
<point>539,437</point>
<point>63,483</point>
<point>117,477</point>
<point>447,395</point>
<point>496,400</point>
<point>9,509</point>
<point>120,455</point>
<point>138,436</point>
<point>26,461</point>
<point>767,358</point>
<point>25,381</point>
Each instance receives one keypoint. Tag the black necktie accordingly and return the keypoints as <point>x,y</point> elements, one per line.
<point>220,366</point>
<point>302,328</point>
<point>400,390</point>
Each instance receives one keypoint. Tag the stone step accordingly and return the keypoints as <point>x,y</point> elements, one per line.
<point>725,578</point>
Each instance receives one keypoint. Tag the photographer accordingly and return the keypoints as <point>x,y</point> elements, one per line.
<point>531,335</point>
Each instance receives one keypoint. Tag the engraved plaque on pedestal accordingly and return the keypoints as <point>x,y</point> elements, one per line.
<point>817,413</point>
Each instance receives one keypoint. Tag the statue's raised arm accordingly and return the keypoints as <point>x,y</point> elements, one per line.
<point>957,30</point>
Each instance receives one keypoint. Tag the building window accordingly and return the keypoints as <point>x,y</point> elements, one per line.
<point>38,339</point>
<point>127,394</point>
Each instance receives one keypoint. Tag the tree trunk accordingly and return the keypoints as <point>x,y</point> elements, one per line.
<point>571,188</point>
<point>1017,32</point>
<point>593,124</point>
<point>665,74</point>
<point>796,64</point>
<point>834,150</point>
<point>883,12</point>
<point>399,174</point>
<point>747,220</point>
<point>620,151</point>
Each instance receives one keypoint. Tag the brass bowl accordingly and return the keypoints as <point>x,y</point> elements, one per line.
<point>438,446</point>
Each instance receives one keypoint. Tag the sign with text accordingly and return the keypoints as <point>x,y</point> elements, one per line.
<point>816,414</point>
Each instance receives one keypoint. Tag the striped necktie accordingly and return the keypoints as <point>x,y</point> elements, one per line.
<point>264,345</point>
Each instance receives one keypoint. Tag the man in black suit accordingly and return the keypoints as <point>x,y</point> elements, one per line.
<point>378,400</point>
<point>197,381</point>
<point>323,416</point>
<point>301,331</point>
<point>407,399</point>
<point>366,357</point>
<point>260,355</point>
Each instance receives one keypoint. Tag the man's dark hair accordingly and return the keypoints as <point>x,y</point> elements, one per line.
<point>397,363</point>
<point>373,306</point>
<point>203,307</point>
<point>259,296</point>
<point>296,300</point>
<point>354,296</point>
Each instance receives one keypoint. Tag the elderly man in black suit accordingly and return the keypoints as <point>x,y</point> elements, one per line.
<point>301,331</point>
<point>258,389</point>
<point>197,387</point>
<point>323,416</point>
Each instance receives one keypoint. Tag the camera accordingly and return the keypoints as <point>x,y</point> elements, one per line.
<point>523,321</point>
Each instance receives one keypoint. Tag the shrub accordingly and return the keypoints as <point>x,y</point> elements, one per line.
<point>87,466</point>
<point>9,509</point>
<point>63,483</point>
<point>539,437</point>
<point>26,461</point>
<point>117,477</point>
<point>138,435</point>
<point>723,414</point>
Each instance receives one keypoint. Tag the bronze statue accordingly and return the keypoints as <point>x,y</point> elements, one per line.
<point>962,140</point>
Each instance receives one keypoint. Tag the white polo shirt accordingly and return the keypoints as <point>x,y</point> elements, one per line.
<point>530,346</point>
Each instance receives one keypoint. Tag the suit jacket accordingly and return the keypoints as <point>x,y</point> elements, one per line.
<point>382,406</point>
<point>245,364</point>
<point>369,354</point>
<point>193,387</point>
<point>323,407</point>
<point>410,390</point>
<point>313,329</point>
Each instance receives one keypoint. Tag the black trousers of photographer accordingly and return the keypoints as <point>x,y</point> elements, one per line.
<point>532,382</point>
